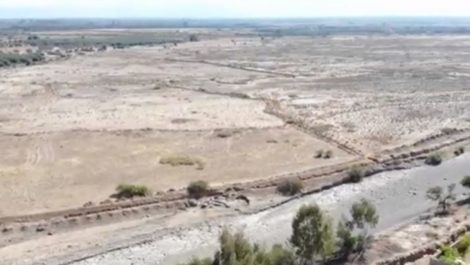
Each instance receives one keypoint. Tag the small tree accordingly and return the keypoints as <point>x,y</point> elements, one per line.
<point>312,235</point>
<point>364,213</point>
<point>235,249</point>
<point>354,234</point>
<point>443,200</point>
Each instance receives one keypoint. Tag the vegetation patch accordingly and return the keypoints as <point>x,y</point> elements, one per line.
<point>128,191</point>
<point>466,182</point>
<point>176,161</point>
<point>442,198</point>
<point>324,154</point>
<point>198,189</point>
<point>290,187</point>
<point>455,255</point>
<point>313,240</point>
<point>459,151</point>
<point>433,160</point>
<point>11,59</point>
<point>356,174</point>
<point>449,255</point>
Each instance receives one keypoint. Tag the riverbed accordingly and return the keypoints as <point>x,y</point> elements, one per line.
<point>398,195</point>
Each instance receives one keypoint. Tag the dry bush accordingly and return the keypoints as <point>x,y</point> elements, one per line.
<point>459,151</point>
<point>324,154</point>
<point>433,160</point>
<point>328,154</point>
<point>356,174</point>
<point>290,187</point>
<point>198,189</point>
<point>319,154</point>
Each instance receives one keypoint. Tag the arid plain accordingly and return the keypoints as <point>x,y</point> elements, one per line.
<point>240,108</point>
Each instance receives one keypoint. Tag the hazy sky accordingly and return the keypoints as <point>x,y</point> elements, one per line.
<point>231,8</point>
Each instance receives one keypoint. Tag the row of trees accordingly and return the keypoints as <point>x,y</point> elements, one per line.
<point>313,240</point>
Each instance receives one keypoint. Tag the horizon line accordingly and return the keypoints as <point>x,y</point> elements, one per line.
<point>237,18</point>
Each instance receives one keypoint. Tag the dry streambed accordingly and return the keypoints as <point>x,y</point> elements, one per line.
<point>399,196</point>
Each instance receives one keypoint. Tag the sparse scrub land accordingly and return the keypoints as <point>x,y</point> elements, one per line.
<point>198,189</point>
<point>176,161</point>
<point>433,160</point>
<point>290,187</point>
<point>12,59</point>
<point>127,191</point>
<point>117,41</point>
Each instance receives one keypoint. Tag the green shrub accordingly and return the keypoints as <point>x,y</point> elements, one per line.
<point>449,255</point>
<point>433,160</point>
<point>356,174</point>
<point>198,189</point>
<point>281,256</point>
<point>130,191</point>
<point>237,250</point>
<point>463,245</point>
<point>290,187</point>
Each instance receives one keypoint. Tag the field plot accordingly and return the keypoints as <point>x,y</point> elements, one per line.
<point>60,170</point>
<point>72,130</point>
<point>370,93</point>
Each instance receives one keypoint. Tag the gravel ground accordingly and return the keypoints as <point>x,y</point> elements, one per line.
<point>399,197</point>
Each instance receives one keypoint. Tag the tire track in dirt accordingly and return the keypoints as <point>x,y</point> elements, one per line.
<point>41,151</point>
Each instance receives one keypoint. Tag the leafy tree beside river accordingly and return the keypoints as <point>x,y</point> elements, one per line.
<point>313,240</point>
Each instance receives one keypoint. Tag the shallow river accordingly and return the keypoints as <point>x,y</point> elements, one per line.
<point>399,196</point>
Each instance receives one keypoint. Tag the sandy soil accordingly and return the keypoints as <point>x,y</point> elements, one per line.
<point>53,171</point>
